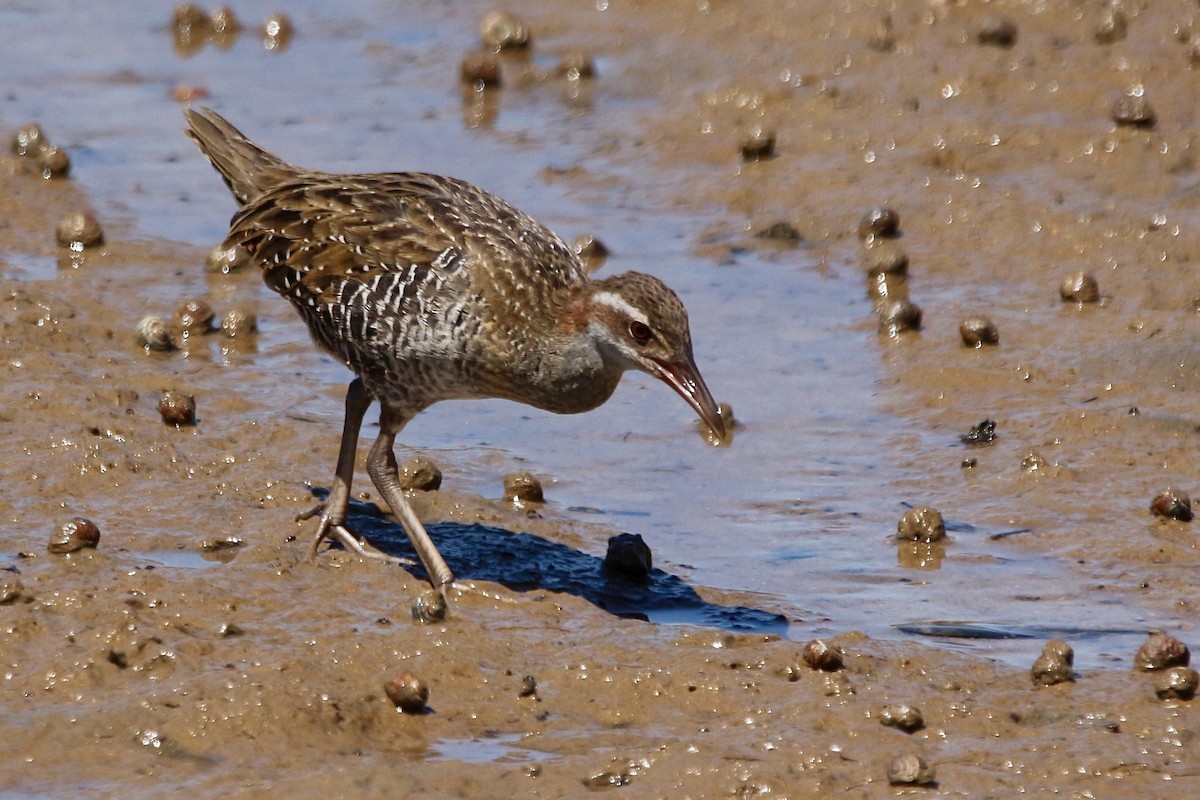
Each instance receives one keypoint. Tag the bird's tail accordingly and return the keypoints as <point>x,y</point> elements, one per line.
<point>248,170</point>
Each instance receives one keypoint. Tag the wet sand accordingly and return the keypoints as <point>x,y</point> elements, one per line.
<point>161,659</point>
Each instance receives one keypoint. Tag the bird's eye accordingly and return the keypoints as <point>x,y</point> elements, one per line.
<point>640,331</point>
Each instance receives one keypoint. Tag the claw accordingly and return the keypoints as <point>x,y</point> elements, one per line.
<point>328,529</point>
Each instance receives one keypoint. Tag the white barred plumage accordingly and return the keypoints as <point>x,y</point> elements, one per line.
<point>430,289</point>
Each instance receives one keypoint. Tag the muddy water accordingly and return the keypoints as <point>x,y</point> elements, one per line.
<point>1008,174</point>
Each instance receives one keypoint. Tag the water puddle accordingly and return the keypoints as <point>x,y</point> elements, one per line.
<point>501,749</point>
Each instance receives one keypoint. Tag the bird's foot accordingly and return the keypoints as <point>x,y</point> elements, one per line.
<point>329,529</point>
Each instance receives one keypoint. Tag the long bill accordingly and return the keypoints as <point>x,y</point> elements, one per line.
<point>684,378</point>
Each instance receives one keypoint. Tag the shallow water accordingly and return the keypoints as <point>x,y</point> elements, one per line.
<point>800,509</point>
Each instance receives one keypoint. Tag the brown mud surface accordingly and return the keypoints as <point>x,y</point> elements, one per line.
<point>165,660</point>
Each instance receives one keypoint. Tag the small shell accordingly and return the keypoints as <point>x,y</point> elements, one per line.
<point>177,409</point>
<point>79,230</point>
<point>429,607</point>
<point>1133,110</point>
<point>522,488</point>
<point>880,221</point>
<point>420,474</point>
<point>921,525</point>
<point>224,21</point>
<point>1177,683</point>
<point>227,258</point>
<point>902,716</point>
<point>54,162</point>
<point>75,535</point>
<point>501,30</point>
<point>1161,651</point>
<point>725,412</point>
<point>194,316</point>
<point>1172,504</point>
<point>823,655</point>
<point>898,316</point>
<point>1081,287</point>
<point>11,589</point>
<point>591,251</point>
<point>976,331</point>
<point>909,769</point>
<point>1054,665</point>
<point>153,333</point>
<point>239,323</point>
<point>407,692</point>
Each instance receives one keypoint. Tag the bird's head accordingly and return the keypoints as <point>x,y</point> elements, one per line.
<point>641,324</point>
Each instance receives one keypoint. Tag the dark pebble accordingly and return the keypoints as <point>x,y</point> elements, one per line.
<point>759,144</point>
<point>780,232</point>
<point>997,31</point>
<point>628,554</point>
<point>982,433</point>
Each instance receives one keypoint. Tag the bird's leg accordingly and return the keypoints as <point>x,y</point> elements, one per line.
<point>381,466</point>
<point>333,510</point>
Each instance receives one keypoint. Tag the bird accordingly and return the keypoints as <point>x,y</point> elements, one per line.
<point>430,288</point>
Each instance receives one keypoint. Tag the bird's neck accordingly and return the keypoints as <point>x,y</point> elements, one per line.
<point>571,373</point>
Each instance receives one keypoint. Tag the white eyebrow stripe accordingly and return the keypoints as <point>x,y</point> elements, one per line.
<point>615,301</point>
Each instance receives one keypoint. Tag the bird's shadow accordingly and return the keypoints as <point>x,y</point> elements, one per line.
<point>524,562</point>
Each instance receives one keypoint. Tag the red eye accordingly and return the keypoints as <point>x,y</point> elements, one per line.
<point>640,331</point>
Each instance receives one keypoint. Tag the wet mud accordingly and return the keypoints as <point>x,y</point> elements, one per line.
<point>1018,147</point>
